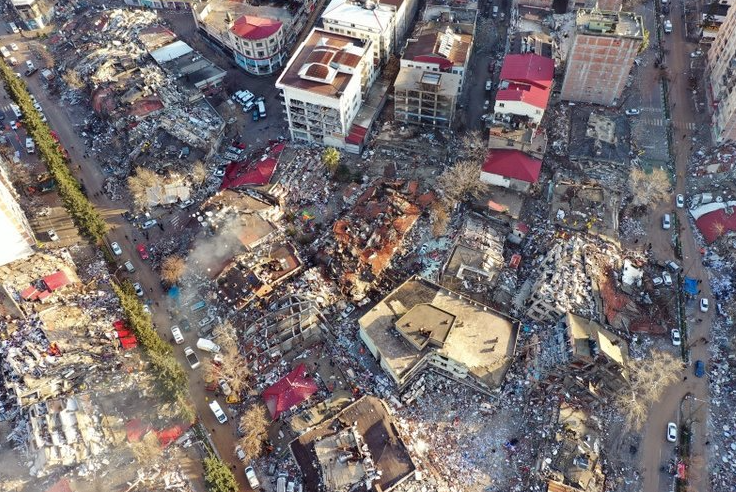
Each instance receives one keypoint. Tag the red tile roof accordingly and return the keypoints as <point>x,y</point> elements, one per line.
<point>249,27</point>
<point>529,69</point>
<point>529,94</point>
<point>444,63</point>
<point>289,391</point>
<point>714,224</point>
<point>512,164</point>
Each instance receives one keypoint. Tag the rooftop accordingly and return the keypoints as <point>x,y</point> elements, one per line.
<point>251,27</point>
<point>599,136</point>
<point>222,15</point>
<point>529,69</point>
<point>425,325</point>
<point>341,464</point>
<point>478,337</point>
<point>607,23</point>
<point>446,84</point>
<point>512,164</point>
<point>368,15</point>
<point>447,43</point>
<point>325,63</point>
<point>589,338</point>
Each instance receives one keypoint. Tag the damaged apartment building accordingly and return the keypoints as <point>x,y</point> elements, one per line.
<point>422,326</point>
<point>588,207</point>
<point>475,260</point>
<point>367,238</point>
<point>433,66</point>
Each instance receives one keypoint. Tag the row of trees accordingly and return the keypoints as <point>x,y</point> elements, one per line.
<point>170,375</point>
<point>89,221</point>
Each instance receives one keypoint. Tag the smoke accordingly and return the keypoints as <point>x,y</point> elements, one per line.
<point>213,251</point>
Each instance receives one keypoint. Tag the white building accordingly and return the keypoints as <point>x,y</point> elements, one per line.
<point>18,238</point>
<point>323,86</point>
<point>524,90</point>
<point>384,23</point>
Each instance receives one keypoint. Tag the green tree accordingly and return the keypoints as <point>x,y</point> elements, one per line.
<point>331,159</point>
<point>218,476</point>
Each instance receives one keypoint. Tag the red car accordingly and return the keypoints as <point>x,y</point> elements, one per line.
<point>142,251</point>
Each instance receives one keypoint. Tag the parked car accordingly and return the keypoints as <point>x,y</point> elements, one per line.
<point>696,54</point>
<point>671,432</point>
<point>209,319</point>
<point>489,84</point>
<point>220,172</point>
<point>226,390</point>
<point>673,266</point>
<point>667,278</point>
<point>666,222</point>
<point>657,281</point>
<point>256,116</point>
<point>704,305</point>
<point>680,201</point>
<point>240,453</point>
<point>347,311</point>
<point>633,112</point>
<point>52,235</point>
<point>699,368</point>
<point>667,26</point>
<point>13,46</point>
<point>676,338</point>
<point>486,105</point>
<point>138,289</point>
<point>186,204</point>
<point>141,248</point>
<point>149,223</point>
<point>176,333</point>
<point>129,266</point>
<point>217,410</point>
<point>185,325</point>
<point>250,474</point>
<point>115,247</point>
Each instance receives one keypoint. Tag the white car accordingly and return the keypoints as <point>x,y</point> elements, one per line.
<point>220,172</point>
<point>186,203</point>
<point>704,305</point>
<point>226,389</point>
<point>149,223</point>
<point>668,26</point>
<point>666,222</point>
<point>240,453</point>
<point>13,46</point>
<point>676,338</point>
<point>671,432</point>
<point>250,474</point>
<point>667,278</point>
<point>680,201</point>
<point>633,112</point>
<point>657,281</point>
<point>694,54</point>
<point>115,247</point>
<point>138,289</point>
<point>217,410</point>
<point>146,309</point>
<point>176,333</point>
<point>486,105</point>
<point>52,235</point>
<point>209,319</point>
<point>347,311</point>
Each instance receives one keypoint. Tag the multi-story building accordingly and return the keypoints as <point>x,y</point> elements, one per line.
<point>425,98</point>
<point>712,18</point>
<point>323,86</point>
<point>524,88</point>
<point>256,36</point>
<point>384,23</point>
<point>602,52</point>
<point>35,13</point>
<point>722,69</point>
<point>18,238</point>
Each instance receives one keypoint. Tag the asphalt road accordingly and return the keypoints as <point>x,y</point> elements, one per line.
<point>656,450</point>
<point>62,120</point>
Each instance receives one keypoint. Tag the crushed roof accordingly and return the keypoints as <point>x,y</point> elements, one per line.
<point>289,391</point>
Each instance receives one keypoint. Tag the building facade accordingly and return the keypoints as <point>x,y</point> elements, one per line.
<point>722,79</point>
<point>35,13</point>
<point>323,86</point>
<point>603,49</point>
<point>525,86</point>
<point>258,44</point>
<point>425,98</point>
<point>18,238</point>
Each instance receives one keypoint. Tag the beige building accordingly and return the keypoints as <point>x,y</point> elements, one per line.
<point>423,326</point>
<point>604,46</point>
<point>722,68</point>
<point>18,238</point>
<point>426,98</point>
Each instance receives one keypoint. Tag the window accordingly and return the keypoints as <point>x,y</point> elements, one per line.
<point>500,105</point>
<point>260,54</point>
<point>248,53</point>
<point>259,44</point>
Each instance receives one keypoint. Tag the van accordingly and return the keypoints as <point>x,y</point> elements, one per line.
<point>176,333</point>
<point>5,52</point>
<point>30,65</point>
<point>198,306</point>
<point>261,109</point>
<point>217,410</point>
<point>208,346</point>
<point>246,97</point>
<point>281,483</point>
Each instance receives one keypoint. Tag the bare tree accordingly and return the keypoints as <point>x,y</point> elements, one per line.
<point>461,182</point>
<point>199,173</point>
<point>254,426</point>
<point>648,380</point>
<point>233,366</point>
<point>139,183</point>
<point>474,146</point>
<point>649,188</point>
<point>172,268</point>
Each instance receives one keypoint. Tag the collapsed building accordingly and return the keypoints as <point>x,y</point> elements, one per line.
<point>564,282</point>
<point>422,326</point>
<point>586,207</point>
<point>476,258</point>
<point>358,450</point>
<point>599,146</point>
<point>366,239</point>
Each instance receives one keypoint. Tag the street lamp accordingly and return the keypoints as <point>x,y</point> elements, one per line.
<point>115,273</point>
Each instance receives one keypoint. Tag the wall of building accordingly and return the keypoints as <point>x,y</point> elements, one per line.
<point>519,108</point>
<point>15,231</point>
<point>598,68</point>
<point>382,42</point>
<point>722,68</point>
<point>498,180</point>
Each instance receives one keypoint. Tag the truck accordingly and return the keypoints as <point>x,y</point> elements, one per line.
<point>217,410</point>
<point>208,345</point>
<point>191,357</point>
<point>30,145</point>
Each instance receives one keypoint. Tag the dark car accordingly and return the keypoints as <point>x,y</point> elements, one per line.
<point>256,117</point>
<point>185,325</point>
<point>491,66</point>
<point>699,368</point>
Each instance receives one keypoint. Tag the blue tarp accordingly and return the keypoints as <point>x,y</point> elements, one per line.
<point>691,286</point>
<point>174,294</point>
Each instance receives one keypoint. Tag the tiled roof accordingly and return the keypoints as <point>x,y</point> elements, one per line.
<point>249,27</point>
<point>530,69</point>
<point>513,164</point>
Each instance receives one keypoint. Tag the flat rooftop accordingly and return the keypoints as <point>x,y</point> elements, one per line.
<point>413,78</point>
<point>220,14</point>
<point>608,23</point>
<point>377,19</point>
<point>370,418</point>
<point>481,338</point>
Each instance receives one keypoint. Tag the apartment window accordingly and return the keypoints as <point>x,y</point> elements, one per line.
<point>272,40</point>
<point>248,53</point>
<point>259,44</point>
<point>261,54</point>
<point>500,105</point>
